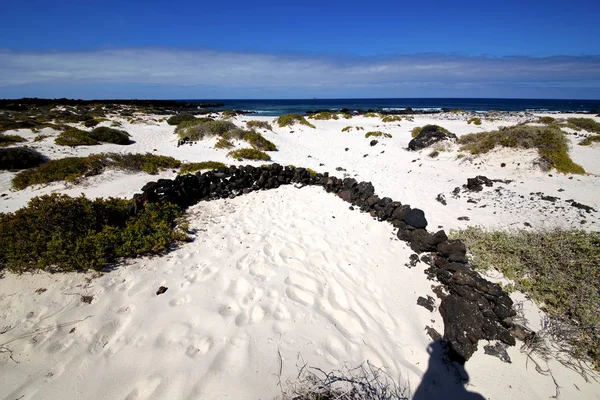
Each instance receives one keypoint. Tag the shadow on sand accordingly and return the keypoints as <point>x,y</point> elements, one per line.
<point>444,379</point>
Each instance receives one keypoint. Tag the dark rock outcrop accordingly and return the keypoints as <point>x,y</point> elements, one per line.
<point>430,134</point>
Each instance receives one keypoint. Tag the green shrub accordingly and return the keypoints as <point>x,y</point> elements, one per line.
<point>254,124</point>
<point>74,168</point>
<point>179,118</point>
<point>203,127</point>
<point>291,119</point>
<point>550,142</point>
<point>415,131</point>
<point>90,123</point>
<point>546,120</point>
<point>249,154</point>
<point>6,140</point>
<point>224,144</point>
<point>589,140</point>
<point>229,114</point>
<point>75,137</point>
<point>391,118</point>
<point>115,124</point>
<point>110,135</point>
<point>372,115</point>
<point>312,172</point>
<point>377,134</point>
<point>557,268</point>
<point>346,129</point>
<point>64,169</point>
<point>16,158</point>
<point>148,163</point>
<point>60,233</point>
<point>323,116</point>
<point>188,168</point>
<point>259,142</point>
<point>587,124</point>
<point>39,138</point>
<point>474,121</point>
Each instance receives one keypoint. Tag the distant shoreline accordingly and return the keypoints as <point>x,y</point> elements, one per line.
<point>277,107</point>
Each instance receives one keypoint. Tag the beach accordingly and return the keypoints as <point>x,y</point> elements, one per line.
<point>277,281</point>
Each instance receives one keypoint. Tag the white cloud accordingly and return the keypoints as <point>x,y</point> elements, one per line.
<point>220,69</point>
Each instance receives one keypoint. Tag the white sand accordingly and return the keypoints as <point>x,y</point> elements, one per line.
<point>277,279</point>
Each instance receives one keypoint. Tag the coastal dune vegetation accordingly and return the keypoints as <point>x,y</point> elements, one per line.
<point>550,141</point>
<point>292,119</point>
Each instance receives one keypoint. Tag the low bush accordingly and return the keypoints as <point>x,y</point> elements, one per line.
<point>254,124</point>
<point>223,143</point>
<point>557,268</point>
<point>75,137</point>
<point>230,114</point>
<point>90,123</point>
<point>550,141</point>
<point>188,168</point>
<point>6,140</point>
<point>148,163</point>
<point>259,142</point>
<point>60,233</point>
<point>110,135</point>
<point>589,140</point>
<point>63,169</point>
<point>546,120</point>
<point>179,118</point>
<point>346,129</point>
<point>391,118</point>
<point>203,127</point>
<point>74,168</point>
<point>377,134</point>
<point>16,158</point>
<point>249,154</point>
<point>39,138</point>
<point>587,124</point>
<point>291,119</point>
<point>372,115</point>
<point>474,121</point>
<point>414,132</point>
<point>323,116</point>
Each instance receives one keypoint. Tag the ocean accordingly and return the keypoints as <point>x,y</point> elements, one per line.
<point>301,106</point>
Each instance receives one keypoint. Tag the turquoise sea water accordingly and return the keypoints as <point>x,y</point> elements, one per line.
<point>279,107</point>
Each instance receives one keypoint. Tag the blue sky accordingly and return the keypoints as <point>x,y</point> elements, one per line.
<point>264,49</point>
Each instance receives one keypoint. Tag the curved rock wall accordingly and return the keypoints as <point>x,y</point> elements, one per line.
<point>472,307</point>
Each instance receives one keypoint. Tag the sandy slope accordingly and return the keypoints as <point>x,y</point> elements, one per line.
<point>276,280</point>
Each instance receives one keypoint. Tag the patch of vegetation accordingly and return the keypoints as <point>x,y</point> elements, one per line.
<point>75,137</point>
<point>16,158</point>
<point>557,268</point>
<point>346,129</point>
<point>434,154</point>
<point>74,168</point>
<point>291,119</point>
<point>230,114</point>
<point>546,120</point>
<point>179,118</point>
<point>110,135</point>
<point>550,141</point>
<point>589,140</point>
<point>391,118</point>
<point>474,121</point>
<point>312,172</point>
<point>323,116</point>
<point>249,154</point>
<point>255,124</point>
<point>39,138</point>
<point>377,134</point>
<point>116,124</point>
<point>414,132</point>
<point>259,142</point>
<point>148,163</point>
<point>188,168</point>
<point>90,123</point>
<point>6,140</point>
<point>223,143</point>
<point>587,124</point>
<point>372,115</point>
<point>60,233</point>
<point>204,127</point>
